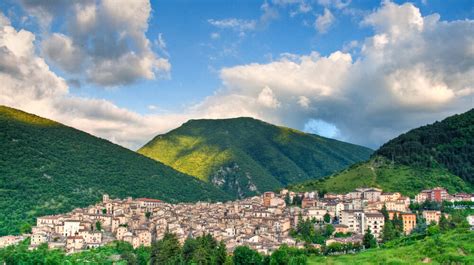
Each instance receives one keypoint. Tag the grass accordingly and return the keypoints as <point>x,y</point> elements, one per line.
<point>454,247</point>
<point>381,173</point>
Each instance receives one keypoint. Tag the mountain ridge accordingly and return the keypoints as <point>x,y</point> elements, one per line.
<point>413,161</point>
<point>245,156</point>
<point>47,167</point>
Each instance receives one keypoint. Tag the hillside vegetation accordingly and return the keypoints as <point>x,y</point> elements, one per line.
<point>440,154</point>
<point>454,247</point>
<point>47,168</point>
<point>449,144</point>
<point>244,156</point>
<point>382,173</point>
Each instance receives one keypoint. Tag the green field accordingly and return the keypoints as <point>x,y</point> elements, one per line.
<point>454,247</point>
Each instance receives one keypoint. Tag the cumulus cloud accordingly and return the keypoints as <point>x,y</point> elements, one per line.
<point>103,40</point>
<point>324,21</point>
<point>30,85</point>
<point>267,98</point>
<point>412,71</point>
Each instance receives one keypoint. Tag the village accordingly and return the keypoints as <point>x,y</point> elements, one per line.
<point>261,222</point>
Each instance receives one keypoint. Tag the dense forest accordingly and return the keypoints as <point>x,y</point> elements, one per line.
<point>244,156</point>
<point>449,143</point>
<point>47,168</point>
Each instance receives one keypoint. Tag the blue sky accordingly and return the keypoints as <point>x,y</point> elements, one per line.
<point>219,59</point>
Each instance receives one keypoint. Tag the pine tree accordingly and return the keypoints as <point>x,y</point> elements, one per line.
<point>369,240</point>
<point>384,211</point>
<point>388,232</point>
<point>221,254</point>
<point>443,223</point>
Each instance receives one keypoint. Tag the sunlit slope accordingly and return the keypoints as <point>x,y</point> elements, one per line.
<point>439,154</point>
<point>46,168</point>
<point>245,156</point>
<point>382,173</point>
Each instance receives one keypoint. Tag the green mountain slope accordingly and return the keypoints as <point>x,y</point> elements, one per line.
<point>380,172</point>
<point>46,168</point>
<point>449,143</point>
<point>244,156</point>
<point>440,154</point>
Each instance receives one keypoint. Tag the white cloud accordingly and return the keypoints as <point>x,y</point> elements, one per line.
<point>215,35</point>
<point>241,25</point>
<point>267,98</point>
<point>413,71</point>
<point>324,21</point>
<point>304,101</point>
<point>103,40</point>
<point>339,4</point>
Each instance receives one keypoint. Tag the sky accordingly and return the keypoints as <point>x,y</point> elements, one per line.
<point>358,71</point>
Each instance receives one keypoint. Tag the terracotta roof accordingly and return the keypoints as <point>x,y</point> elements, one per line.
<point>148,200</point>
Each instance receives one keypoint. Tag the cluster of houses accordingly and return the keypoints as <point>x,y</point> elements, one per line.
<point>261,222</point>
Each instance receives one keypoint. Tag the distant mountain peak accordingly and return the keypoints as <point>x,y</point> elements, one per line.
<point>245,156</point>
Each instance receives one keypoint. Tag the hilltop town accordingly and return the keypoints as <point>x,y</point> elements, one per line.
<point>261,222</point>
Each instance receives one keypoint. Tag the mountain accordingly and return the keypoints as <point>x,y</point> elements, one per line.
<point>47,168</point>
<point>245,156</point>
<point>449,144</point>
<point>439,154</point>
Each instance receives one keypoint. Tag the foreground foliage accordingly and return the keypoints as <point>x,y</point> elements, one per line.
<point>48,168</point>
<point>452,247</point>
<point>244,155</point>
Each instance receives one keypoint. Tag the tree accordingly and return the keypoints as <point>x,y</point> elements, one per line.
<point>104,211</point>
<point>25,228</point>
<point>327,218</point>
<point>329,230</point>
<point>280,256</point>
<point>243,255</point>
<point>98,226</point>
<point>443,223</point>
<point>369,240</point>
<point>221,254</point>
<point>388,232</point>
<point>166,251</point>
<point>384,211</point>
<point>190,245</point>
<point>148,215</point>
<point>287,199</point>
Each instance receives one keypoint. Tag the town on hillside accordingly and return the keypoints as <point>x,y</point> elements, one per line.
<point>261,222</point>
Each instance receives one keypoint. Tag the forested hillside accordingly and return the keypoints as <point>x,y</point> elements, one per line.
<point>382,173</point>
<point>440,154</point>
<point>449,143</point>
<point>245,156</point>
<point>47,168</point>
